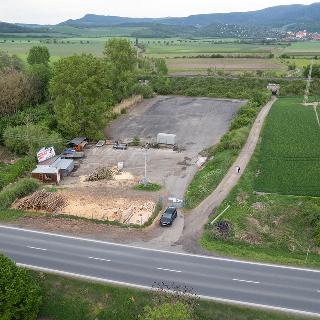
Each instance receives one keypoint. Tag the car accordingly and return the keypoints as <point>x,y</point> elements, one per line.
<point>169,215</point>
<point>120,146</point>
<point>100,143</point>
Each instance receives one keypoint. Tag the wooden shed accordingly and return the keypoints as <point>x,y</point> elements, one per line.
<point>78,143</point>
<point>46,174</point>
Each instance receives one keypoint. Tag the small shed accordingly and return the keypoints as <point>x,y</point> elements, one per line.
<point>78,143</point>
<point>65,166</point>
<point>165,138</point>
<point>46,174</point>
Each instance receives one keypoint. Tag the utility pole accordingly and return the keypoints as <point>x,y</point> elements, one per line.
<point>145,182</point>
<point>306,94</point>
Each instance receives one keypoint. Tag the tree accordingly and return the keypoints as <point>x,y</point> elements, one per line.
<point>39,76</point>
<point>28,139</point>
<point>121,59</point>
<point>121,54</point>
<point>161,66</point>
<point>167,311</point>
<point>80,88</point>
<point>10,62</point>
<point>20,295</point>
<point>315,71</point>
<point>15,91</point>
<point>38,55</point>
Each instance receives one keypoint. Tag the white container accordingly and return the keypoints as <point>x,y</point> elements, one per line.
<point>120,166</point>
<point>165,138</point>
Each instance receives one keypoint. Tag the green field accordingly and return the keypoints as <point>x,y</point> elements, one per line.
<point>303,48</point>
<point>276,227</point>
<point>290,151</point>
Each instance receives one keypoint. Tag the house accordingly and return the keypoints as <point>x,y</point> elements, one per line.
<point>78,143</point>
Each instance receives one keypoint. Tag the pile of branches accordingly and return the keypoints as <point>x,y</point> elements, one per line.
<point>42,200</point>
<point>101,174</point>
<point>223,228</point>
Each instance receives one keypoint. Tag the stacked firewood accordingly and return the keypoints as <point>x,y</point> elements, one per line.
<point>41,200</point>
<point>102,174</point>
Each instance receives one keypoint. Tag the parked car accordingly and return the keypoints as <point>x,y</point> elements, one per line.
<point>100,143</point>
<point>120,146</point>
<point>169,215</point>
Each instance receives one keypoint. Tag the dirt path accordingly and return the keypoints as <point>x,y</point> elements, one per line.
<point>198,217</point>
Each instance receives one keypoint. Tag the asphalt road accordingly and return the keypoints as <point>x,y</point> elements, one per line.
<point>276,287</point>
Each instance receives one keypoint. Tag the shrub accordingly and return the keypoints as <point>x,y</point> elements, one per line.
<point>148,187</point>
<point>10,172</point>
<point>240,121</point>
<point>20,295</point>
<point>317,234</point>
<point>167,311</point>
<point>144,90</point>
<point>28,139</point>
<point>18,190</point>
<point>235,139</point>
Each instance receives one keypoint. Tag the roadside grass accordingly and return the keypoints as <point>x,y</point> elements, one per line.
<point>266,227</point>
<point>69,299</point>
<point>151,187</point>
<point>208,178</point>
<point>10,172</point>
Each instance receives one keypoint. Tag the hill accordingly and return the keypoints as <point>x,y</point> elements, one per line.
<point>13,28</point>
<point>278,16</point>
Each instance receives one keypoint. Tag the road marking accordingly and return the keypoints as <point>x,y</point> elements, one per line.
<point>318,291</point>
<point>161,251</point>
<point>35,248</point>
<point>247,281</point>
<point>132,285</point>
<point>170,270</point>
<point>100,259</point>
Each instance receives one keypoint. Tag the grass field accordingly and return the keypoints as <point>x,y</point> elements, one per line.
<point>274,227</point>
<point>201,65</point>
<point>68,299</point>
<point>305,48</point>
<point>290,151</point>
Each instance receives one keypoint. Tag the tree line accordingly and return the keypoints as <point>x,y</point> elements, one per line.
<point>73,96</point>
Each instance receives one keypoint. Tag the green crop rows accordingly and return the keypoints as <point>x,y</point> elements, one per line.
<point>290,152</point>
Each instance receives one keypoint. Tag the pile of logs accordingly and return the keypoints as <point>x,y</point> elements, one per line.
<point>102,174</point>
<point>41,200</point>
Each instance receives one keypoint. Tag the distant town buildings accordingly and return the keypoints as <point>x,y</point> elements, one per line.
<point>302,35</point>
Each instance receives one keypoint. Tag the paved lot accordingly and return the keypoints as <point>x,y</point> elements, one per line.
<point>197,122</point>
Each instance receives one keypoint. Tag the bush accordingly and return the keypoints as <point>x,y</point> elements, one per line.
<point>28,139</point>
<point>20,295</point>
<point>240,121</point>
<point>317,234</point>
<point>144,90</point>
<point>152,187</point>
<point>167,311</point>
<point>10,172</point>
<point>18,190</point>
<point>235,139</point>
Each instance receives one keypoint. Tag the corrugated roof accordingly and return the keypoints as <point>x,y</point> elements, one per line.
<point>62,164</point>
<point>45,170</point>
<point>77,141</point>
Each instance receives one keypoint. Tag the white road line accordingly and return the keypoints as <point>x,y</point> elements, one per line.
<point>132,285</point>
<point>170,270</point>
<point>35,248</point>
<point>100,259</point>
<point>247,281</point>
<point>162,251</point>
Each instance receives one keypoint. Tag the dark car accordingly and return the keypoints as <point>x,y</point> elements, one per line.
<point>168,217</point>
<point>120,146</point>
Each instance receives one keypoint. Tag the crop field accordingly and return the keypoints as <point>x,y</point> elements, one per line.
<point>306,48</point>
<point>290,150</point>
<point>206,48</point>
<point>201,65</point>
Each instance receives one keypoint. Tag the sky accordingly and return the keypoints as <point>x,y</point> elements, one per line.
<point>55,11</point>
